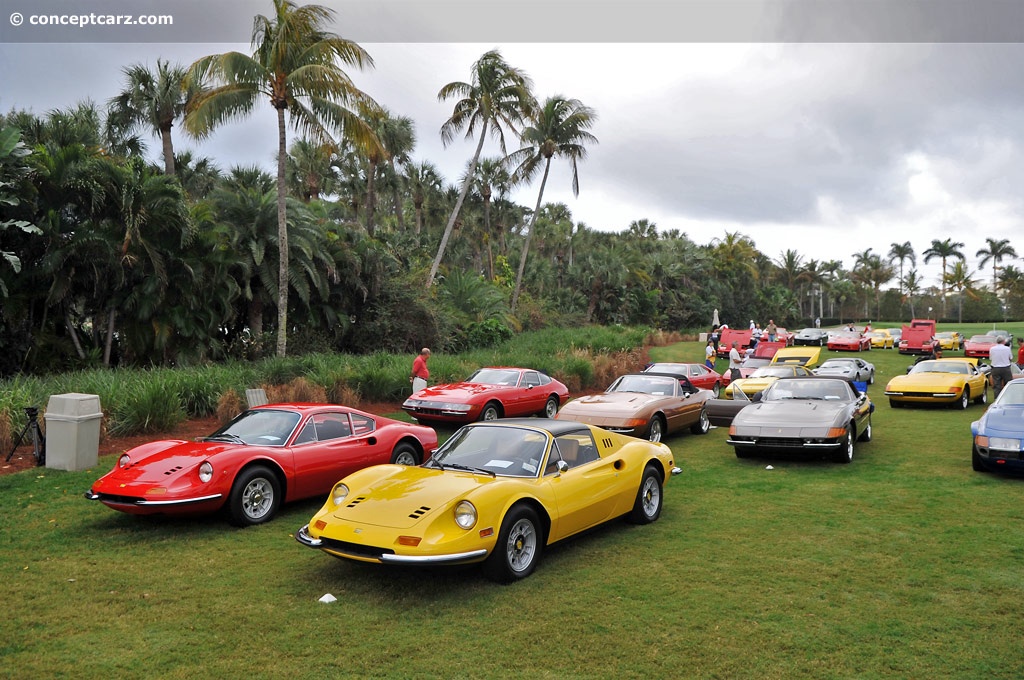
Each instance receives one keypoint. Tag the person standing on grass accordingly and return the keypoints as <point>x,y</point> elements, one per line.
<point>1020,353</point>
<point>999,357</point>
<point>420,372</point>
<point>709,355</point>
<point>734,361</point>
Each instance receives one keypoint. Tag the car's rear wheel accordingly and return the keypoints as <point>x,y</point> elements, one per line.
<point>255,497</point>
<point>965,398</point>
<point>656,429</point>
<point>976,463</point>
<point>551,407</point>
<point>405,454</point>
<point>845,454</point>
<point>647,507</point>
<point>519,546</point>
<point>703,423</point>
<point>865,436</point>
<point>983,399</point>
<point>490,412</point>
<point>717,390</point>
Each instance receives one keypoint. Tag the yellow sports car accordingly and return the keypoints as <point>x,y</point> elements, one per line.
<point>496,492</point>
<point>881,338</point>
<point>939,381</point>
<point>762,377</point>
<point>950,340</point>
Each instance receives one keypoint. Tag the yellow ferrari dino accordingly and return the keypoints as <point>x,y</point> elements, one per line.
<point>497,492</point>
<point>955,380</point>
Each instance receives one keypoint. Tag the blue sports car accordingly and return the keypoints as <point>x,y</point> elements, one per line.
<point>999,435</point>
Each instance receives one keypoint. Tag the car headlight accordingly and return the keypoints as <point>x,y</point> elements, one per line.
<point>339,493</point>
<point>124,461</point>
<point>205,471</point>
<point>465,514</point>
<point>1004,444</point>
<point>461,408</point>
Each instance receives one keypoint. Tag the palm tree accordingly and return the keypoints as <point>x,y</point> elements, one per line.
<point>498,95</point>
<point>490,174</point>
<point>559,128</point>
<point>309,170</point>
<point>996,251</point>
<point>396,140</point>
<point>294,64</point>
<point>911,283</point>
<point>154,100</point>
<point>423,180</point>
<point>902,252</point>
<point>944,250</point>
<point>962,281</point>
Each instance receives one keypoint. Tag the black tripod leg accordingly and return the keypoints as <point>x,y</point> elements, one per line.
<point>17,442</point>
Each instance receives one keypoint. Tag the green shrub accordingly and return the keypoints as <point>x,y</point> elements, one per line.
<point>147,406</point>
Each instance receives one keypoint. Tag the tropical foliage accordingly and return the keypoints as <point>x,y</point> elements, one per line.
<point>108,260</point>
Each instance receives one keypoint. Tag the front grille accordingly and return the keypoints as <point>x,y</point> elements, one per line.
<point>354,549</point>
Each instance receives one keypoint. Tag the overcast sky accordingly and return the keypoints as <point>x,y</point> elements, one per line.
<point>846,142</point>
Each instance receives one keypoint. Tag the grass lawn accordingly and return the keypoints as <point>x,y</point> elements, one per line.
<point>904,563</point>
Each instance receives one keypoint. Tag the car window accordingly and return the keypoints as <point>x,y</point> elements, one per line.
<point>495,376</point>
<point>576,448</point>
<point>306,435</point>
<point>1012,394</point>
<point>331,426</point>
<point>362,424</point>
<point>531,379</point>
<point>268,427</point>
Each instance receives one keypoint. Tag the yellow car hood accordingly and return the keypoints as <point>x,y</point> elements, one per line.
<point>926,382</point>
<point>406,495</point>
<point>753,385</point>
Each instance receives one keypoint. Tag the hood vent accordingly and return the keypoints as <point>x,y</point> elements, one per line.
<point>419,512</point>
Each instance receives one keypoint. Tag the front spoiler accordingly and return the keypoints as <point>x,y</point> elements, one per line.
<point>303,537</point>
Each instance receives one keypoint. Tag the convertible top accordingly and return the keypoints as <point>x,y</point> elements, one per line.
<point>555,427</point>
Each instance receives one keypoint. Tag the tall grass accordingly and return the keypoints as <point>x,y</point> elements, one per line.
<point>147,400</point>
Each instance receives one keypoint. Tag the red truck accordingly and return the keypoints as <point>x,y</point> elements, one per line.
<point>919,337</point>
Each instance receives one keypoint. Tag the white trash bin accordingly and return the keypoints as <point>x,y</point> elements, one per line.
<point>72,431</point>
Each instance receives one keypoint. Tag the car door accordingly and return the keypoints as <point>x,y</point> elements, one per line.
<point>528,398</point>
<point>722,411</point>
<point>589,491</point>
<point>328,448</point>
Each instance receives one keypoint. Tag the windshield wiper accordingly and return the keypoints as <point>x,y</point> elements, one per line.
<point>466,468</point>
<point>224,436</point>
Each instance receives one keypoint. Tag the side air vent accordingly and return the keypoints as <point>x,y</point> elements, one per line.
<point>606,443</point>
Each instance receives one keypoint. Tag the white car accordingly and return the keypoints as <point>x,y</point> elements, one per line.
<point>849,368</point>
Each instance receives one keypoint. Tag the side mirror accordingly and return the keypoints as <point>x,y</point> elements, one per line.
<point>757,397</point>
<point>562,466</point>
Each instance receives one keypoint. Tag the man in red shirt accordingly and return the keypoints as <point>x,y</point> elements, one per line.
<point>1020,352</point>
<point>420,373</point>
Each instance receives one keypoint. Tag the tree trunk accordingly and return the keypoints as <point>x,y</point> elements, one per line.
<point>455,211</point>
<point>165,138</point>
<point>529,235</point>
<point>282,241</point>
<point>108,342</point>
<point>419,216</point>
<point>73,334</point>
<point>397,200</point>
<point>371,199</point>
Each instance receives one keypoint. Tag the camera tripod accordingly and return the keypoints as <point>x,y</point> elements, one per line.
<point>38,440</point>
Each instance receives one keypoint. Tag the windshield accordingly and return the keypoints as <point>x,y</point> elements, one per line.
<point>495,376</point>
<point>983,340</point>
<point>826,390</point>
<point>839,363</point>
<point>957,367</point>
<point>1012,394</point>
<point>504,451</point>
<point>771,372</point>
<point>645,384</point>
<point>268,427</point>
<point>810,331</point>
<point>847,334</point>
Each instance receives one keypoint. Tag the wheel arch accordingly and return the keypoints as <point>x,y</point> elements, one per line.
<point>414,442</point>
<point>537,507</point>
<point>273,466</point>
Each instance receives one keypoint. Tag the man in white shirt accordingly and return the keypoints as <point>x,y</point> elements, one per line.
<point>734,361</point>
<point>999,357</point>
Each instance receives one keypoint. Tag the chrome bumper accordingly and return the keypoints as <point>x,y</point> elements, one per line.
<point>303,537</point>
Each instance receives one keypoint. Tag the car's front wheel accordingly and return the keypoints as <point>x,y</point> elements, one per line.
<point>845,454</point>
<point>656,429</point>
<point>976,463</point>
<point>551,407</point>
<point>647,507</point>
<point>965,398</point>
<point>717,390</point>
<point>405,454</point>
<point>518,549</point>
<point>490,412</point>
<point>255,497</point>
<point>703,424</point>
<point>871,378</point>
